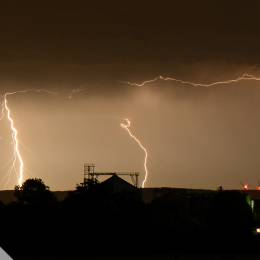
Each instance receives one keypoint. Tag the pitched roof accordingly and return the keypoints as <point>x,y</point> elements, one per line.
<point>117,184</point>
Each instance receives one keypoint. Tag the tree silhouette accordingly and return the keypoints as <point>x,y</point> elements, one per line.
<point>33,192</point>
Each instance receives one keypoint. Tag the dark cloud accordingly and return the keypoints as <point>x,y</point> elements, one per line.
<point>113,37</point>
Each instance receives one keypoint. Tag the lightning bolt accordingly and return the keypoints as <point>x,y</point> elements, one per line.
<point>244,76</point>
<point>17,153</point>
<point>17,157</point>
<point>126,126</point>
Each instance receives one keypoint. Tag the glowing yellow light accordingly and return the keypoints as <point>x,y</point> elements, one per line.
<point>245,76</point>
<point>258,230</point>
<point>126,126</point>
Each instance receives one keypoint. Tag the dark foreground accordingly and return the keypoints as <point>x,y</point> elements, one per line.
<point>95,223</point>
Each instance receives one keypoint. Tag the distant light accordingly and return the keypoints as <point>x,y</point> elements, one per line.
<point>258,230</point>
<point>245,187</point>
<point>258,188</point>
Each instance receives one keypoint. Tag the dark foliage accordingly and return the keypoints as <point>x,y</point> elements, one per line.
<point>34,192</point>
<point>91,218</point>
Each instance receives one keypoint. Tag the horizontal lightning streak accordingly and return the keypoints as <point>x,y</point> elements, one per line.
<point>126,126</point>
<point>245,76</point>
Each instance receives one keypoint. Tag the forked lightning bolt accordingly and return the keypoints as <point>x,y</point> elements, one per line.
<point>244,76</point>
<point>126,126</point>
<point>17,153</point>
<point>6,110</point>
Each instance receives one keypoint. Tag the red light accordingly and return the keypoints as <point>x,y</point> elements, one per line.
<point>258,188</point>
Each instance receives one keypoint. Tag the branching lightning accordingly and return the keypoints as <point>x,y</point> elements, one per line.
<point>17,153</point>
<point>17,157</point>
<point>244,76</point>
<point>126,126</point>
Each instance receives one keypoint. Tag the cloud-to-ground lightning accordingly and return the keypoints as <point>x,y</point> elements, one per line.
<point>17,153</point>
<point>17,156</point>
<point>244,76</point>
<point>126,126</point>
<point>14,132</point>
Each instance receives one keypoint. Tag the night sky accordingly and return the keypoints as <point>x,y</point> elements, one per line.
<point>196,137</point>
